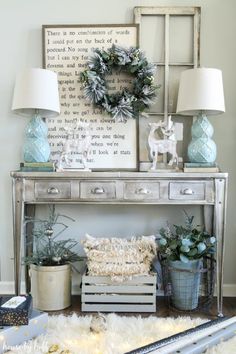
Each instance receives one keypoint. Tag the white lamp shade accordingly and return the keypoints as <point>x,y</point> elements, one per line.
<point>36,89</point>
<point>201,90</point>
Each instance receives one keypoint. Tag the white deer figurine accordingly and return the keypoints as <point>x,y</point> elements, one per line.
<point>161,146</point>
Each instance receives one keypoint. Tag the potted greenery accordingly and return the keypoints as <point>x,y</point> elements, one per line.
<point>50,263</point>
<point>183,248</point>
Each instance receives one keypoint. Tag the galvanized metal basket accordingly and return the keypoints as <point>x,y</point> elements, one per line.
<point>189,288</point>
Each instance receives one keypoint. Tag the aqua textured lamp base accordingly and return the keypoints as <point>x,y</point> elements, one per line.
<point>36,147</point>
<point>202,149</point>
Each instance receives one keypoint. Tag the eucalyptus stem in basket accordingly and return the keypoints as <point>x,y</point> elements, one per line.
<point>185,243</point>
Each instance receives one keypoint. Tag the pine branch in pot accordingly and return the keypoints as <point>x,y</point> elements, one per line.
<point>50,262</point>
<point>183,249</point>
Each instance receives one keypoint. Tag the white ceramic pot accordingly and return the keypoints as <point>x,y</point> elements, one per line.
<point>51,287</point>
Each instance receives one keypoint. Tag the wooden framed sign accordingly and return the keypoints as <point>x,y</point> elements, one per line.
<point>66,50</point>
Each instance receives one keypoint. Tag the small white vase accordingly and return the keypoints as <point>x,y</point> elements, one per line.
<point>51,287</point>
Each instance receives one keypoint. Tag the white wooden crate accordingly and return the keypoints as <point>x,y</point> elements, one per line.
<point>100,293</point>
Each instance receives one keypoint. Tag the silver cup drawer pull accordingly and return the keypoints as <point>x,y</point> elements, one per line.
<point>187,191</point>
<point>98,190</point>
<point>142,191</point>
<point>53,190</point>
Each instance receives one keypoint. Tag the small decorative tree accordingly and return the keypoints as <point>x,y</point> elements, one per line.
<point>48,250</point>
<point>50,262</point>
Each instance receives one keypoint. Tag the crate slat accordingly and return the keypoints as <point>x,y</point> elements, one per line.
<point>143,279</point>
<point>118,308</point>
<point>118,298</point>
<point>100,293</point>
<point>130,289</point>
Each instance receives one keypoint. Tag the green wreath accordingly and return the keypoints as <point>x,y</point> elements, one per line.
<point>127,103</point>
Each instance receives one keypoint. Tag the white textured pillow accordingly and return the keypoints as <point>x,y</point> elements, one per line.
<point>118,257</point>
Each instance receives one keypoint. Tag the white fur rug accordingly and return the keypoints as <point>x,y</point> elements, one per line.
<point>72,335</point>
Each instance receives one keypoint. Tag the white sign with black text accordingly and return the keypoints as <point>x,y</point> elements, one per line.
<point>66,51</point>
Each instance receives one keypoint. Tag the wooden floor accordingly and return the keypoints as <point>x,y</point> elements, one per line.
<point>229,309</point>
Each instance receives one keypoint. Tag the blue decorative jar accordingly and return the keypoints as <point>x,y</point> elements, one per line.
<point>36,147</point>
<point>202,149</point>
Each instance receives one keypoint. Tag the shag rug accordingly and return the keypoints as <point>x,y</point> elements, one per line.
<point>73,335</point>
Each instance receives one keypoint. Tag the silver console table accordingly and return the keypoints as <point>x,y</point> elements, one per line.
<point>206,189</point>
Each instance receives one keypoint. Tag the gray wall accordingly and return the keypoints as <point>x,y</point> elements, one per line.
<point>20,28</point>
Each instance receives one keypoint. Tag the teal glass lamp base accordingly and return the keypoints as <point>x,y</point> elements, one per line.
<point>202,148</point>
<point>36,147</point>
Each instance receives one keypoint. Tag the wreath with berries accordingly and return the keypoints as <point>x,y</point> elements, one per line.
<point>128,103</point>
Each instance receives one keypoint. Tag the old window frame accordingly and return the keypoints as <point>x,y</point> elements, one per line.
<point>167,12</point>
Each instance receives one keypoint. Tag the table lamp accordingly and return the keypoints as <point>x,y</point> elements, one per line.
<point>201,94</point>
<point>36,95</point>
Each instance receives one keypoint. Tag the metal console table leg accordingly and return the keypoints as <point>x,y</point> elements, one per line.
<point>18,217</point>
<point>219,230</point>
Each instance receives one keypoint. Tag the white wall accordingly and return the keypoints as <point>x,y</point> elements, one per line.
<point>21,46</point>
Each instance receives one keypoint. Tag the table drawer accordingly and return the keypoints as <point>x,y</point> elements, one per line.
<point>97,190</point>
<point>187,190</point>
<point>141,190</point>
<point>52,190</point>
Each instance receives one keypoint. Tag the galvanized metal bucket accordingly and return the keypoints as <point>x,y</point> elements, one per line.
<point>185,283</point>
